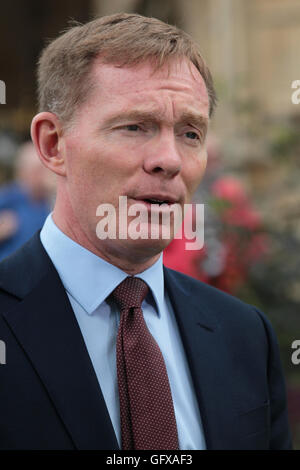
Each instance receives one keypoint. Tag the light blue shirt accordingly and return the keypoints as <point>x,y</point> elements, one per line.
<point>88,281</point>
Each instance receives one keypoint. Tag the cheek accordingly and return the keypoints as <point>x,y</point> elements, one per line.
<point>194,174</point>
<point>81,178</point>
<point>98,172</point>
<point>82,162</point>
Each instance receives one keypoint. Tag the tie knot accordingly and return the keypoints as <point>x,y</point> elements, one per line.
<point>130,293</point>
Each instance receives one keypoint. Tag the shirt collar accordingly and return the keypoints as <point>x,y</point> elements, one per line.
<point>88,278</point>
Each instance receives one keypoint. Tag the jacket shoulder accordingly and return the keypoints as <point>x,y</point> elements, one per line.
<point>24,268</point>
<point>227,309</point>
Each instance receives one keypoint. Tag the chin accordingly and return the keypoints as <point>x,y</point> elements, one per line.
<point>135,248</point>
<point>146,247</point>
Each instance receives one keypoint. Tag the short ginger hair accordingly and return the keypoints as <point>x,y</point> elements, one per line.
<point>64,78</point>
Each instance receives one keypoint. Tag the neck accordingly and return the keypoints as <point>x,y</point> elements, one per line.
<point>132,260</point>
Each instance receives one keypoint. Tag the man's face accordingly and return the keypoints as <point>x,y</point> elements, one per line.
<point>141,134</point>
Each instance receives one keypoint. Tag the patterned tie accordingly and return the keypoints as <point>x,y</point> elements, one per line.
<point>146,407</point>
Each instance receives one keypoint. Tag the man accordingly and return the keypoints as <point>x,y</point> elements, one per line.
<point>25,203</point>
<point>106,349</point>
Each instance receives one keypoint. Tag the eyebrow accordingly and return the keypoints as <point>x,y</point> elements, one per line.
<point>195,119</point>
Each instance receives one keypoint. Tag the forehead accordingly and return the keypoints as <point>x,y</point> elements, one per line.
<point>178,79</point>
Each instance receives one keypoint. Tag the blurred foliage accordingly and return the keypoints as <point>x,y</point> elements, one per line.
<point>273,283</point>
<point>284,142</point>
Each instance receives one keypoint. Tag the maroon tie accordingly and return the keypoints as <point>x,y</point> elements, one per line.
<point>146,407</point>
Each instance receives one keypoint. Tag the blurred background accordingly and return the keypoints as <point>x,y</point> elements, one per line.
<point>251,189</point>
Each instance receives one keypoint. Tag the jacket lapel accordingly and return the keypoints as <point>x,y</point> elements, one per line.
<point>46,327</point>
<point>208,358</point>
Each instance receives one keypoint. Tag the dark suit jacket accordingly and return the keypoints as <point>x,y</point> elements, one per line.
<point>49,394</point>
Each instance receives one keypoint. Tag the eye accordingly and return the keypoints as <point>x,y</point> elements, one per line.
<point>192,135</point>
<point>132,127</point>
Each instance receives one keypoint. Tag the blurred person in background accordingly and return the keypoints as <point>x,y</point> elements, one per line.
<point>25,202</point>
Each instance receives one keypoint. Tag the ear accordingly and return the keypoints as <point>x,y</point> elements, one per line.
<point>46,133</point>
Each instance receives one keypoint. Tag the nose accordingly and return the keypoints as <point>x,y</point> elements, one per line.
<point>163,157</point>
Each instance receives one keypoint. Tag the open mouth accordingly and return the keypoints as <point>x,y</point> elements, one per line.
<point>157,201</point>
